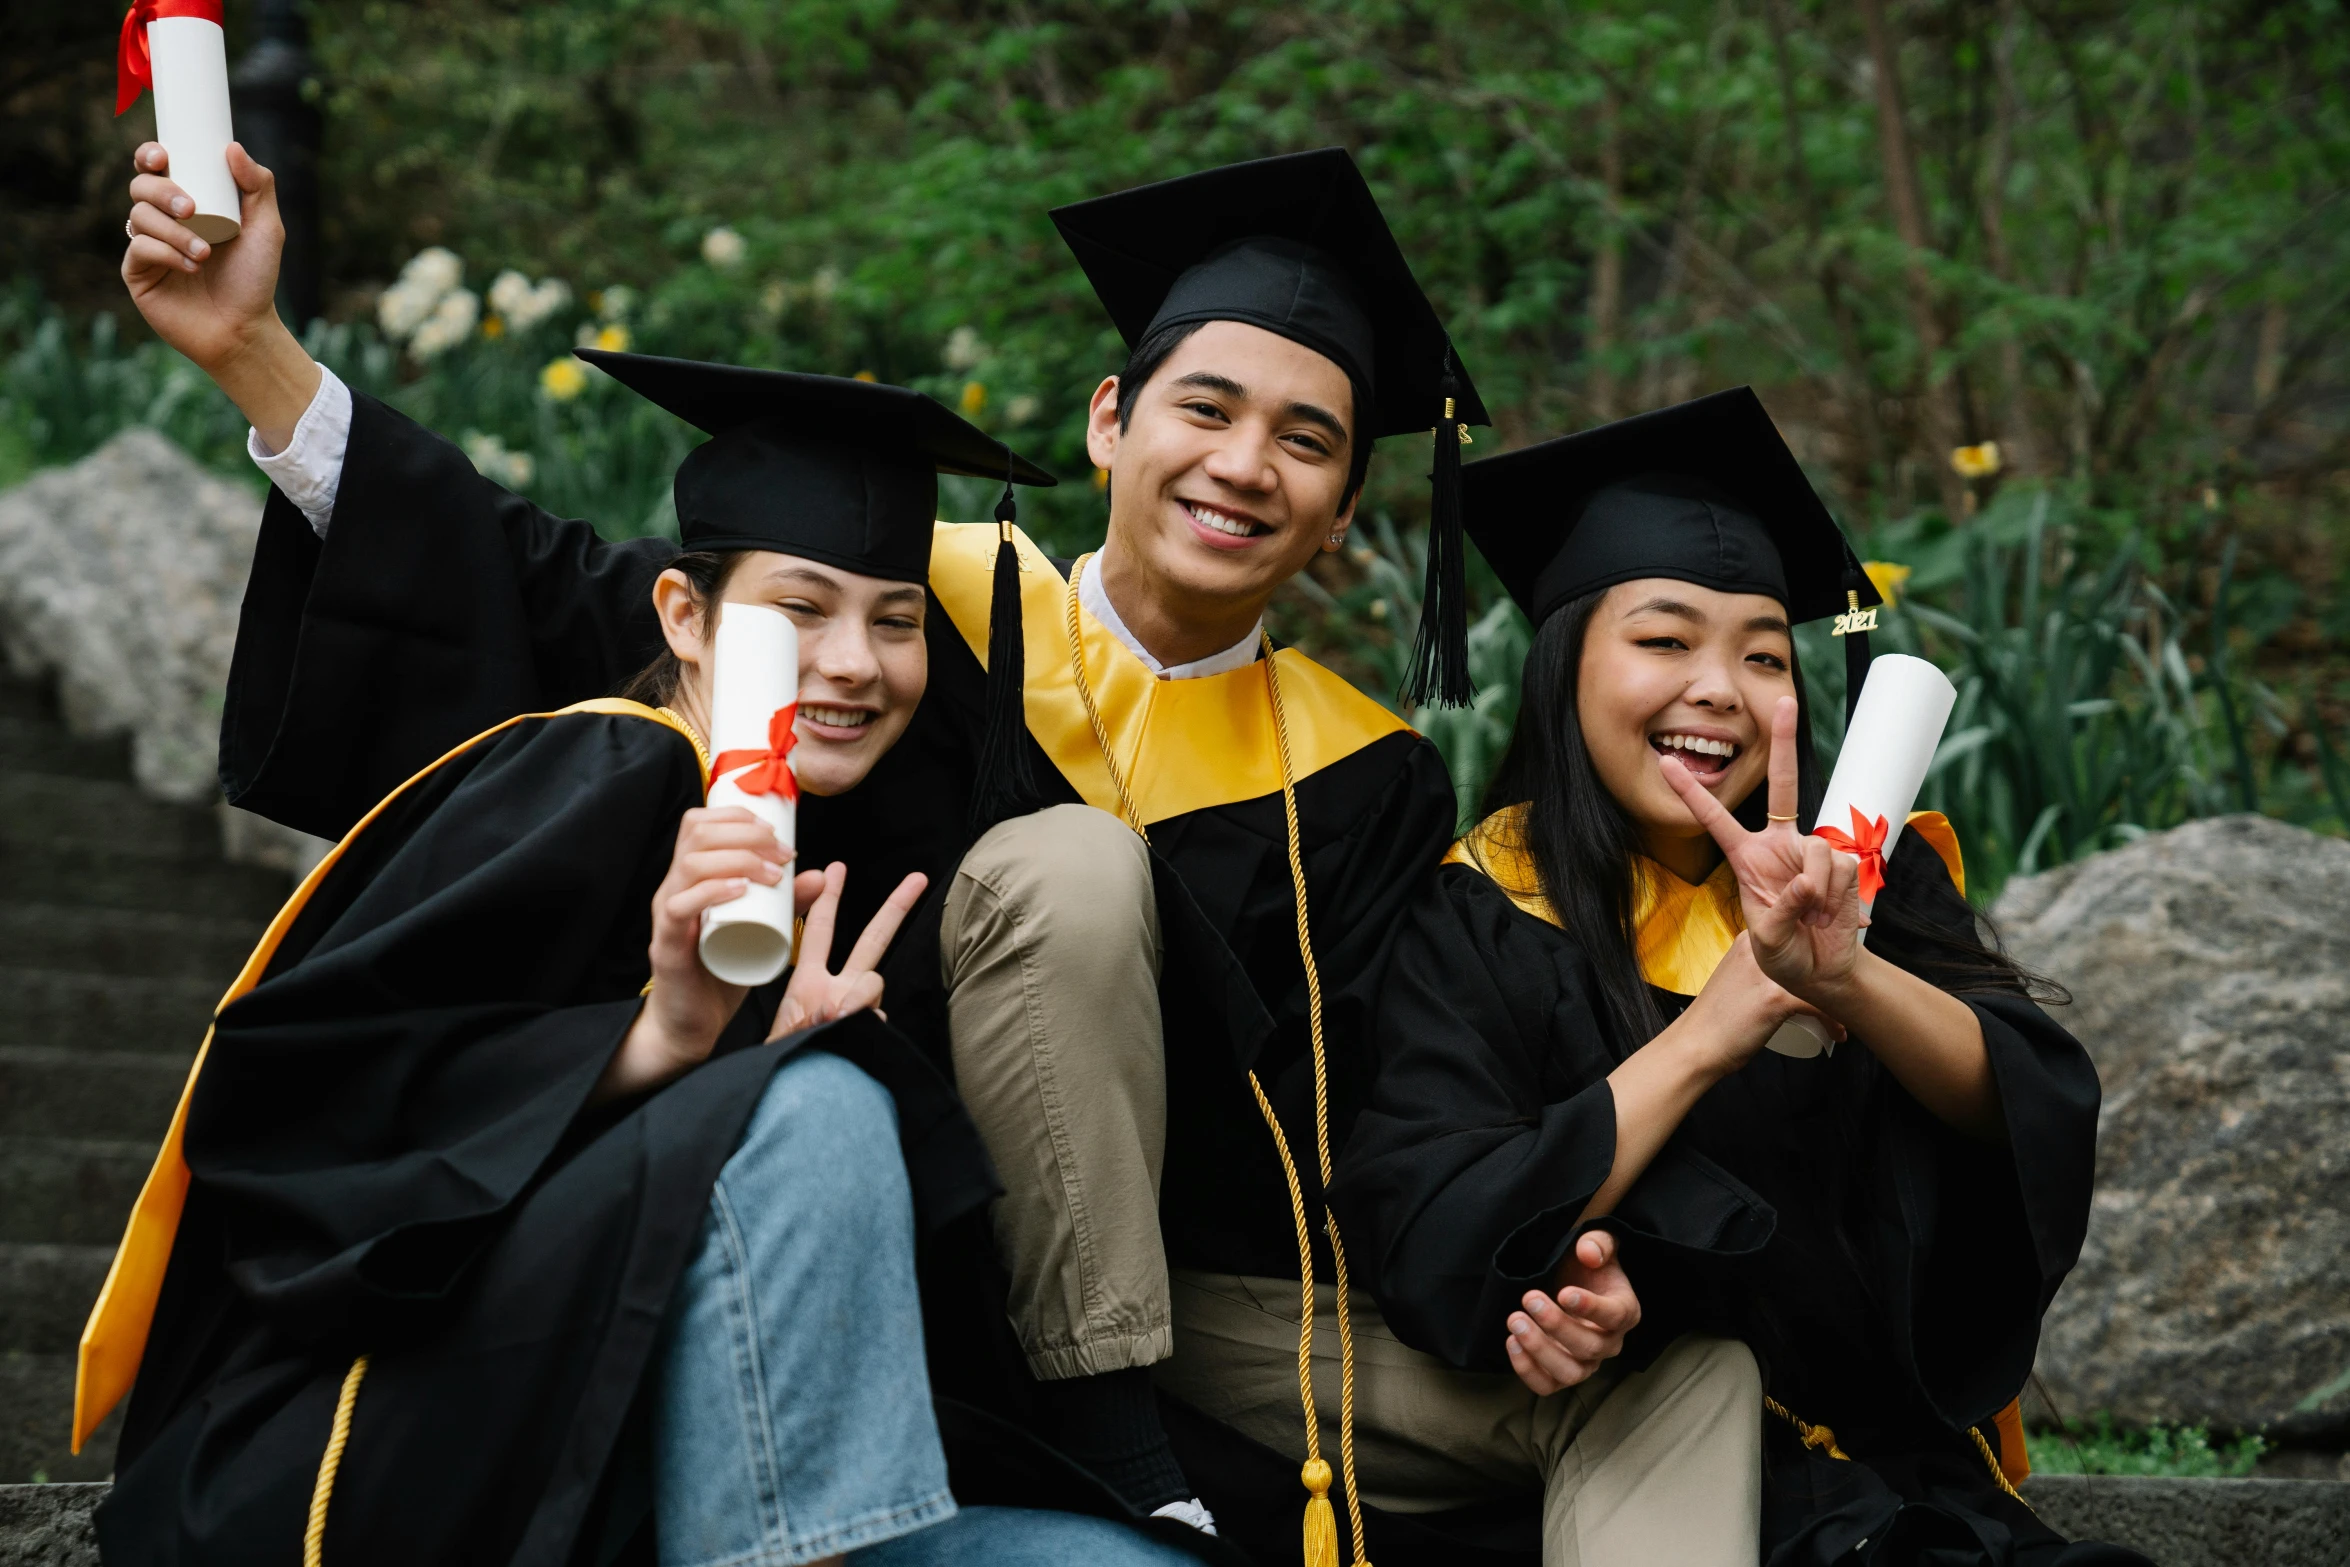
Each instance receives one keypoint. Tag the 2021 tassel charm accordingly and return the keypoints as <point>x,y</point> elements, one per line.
<point>178,48</point>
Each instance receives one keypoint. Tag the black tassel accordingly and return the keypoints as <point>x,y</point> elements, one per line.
<point>1438,673</point>
<point>1856,646</point>
<point>1006,785</point>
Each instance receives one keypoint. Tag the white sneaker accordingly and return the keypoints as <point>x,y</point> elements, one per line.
<point>1193,1512</point>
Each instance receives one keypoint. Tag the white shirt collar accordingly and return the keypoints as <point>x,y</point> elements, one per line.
<point>1090,593</point>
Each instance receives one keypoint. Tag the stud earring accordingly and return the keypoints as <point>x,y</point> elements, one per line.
<point>1337,539</point>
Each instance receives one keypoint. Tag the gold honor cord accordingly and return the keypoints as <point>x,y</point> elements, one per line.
<point>330,1464</point>
<point>1321,1529</point>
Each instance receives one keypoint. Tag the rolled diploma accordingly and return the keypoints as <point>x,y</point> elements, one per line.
<point>755,670</point>
<point>190,57</point>
<point>1904,707</point>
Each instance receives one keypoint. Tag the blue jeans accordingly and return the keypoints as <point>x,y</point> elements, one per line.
<point>792,1420</point>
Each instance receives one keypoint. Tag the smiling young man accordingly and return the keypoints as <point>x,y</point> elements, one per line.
<point>1172,858</point>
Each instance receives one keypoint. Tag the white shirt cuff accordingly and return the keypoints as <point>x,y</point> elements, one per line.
<point>310,470</point>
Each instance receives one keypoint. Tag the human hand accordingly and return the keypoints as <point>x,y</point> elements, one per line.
<point>1557,1342</point>
<point>1799,896</point>
<point>1741,1007</point>
<point>209,304</point>
<point>816,994</point>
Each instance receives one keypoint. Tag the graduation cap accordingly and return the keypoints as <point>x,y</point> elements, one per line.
<point>1704,491</point>
<point>1296,245</point>
<point>833,469</point>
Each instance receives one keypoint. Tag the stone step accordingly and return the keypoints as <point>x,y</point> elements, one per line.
<point>30,745</point>
<point>107,878</point>
<point>24,700</point>
<point>72,1191</point>
<point>2246,1523</point>
<point>127,942</point>
<point>2202,1523</point>
<point>36,1431</point>
<point>45,1295</point>
<point>48,1008</point>
<point>85,812</point>
<point>122,1095</point>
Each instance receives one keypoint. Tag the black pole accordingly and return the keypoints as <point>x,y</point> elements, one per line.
<point>274,93</point>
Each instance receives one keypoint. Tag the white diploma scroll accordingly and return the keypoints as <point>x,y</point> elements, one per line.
<point>190,60</point>
<point>1889,745</point>
<point>755,674</point>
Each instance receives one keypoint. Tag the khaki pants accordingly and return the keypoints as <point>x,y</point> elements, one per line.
<point>1050,952</point>
<point>1049,945</point>
<point>1663,1466</point>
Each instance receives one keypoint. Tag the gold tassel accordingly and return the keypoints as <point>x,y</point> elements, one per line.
<point>1321,1522</point>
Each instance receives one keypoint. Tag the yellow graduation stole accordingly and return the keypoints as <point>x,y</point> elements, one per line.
<point>1680,932</point>
<point>115,1338</point>
<point>1180,745</point>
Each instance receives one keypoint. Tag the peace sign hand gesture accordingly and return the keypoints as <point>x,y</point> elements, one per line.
<point>1800,897</point>
<point>816,994</point>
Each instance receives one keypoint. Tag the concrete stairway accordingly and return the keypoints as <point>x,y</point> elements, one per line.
<point>120,926</point>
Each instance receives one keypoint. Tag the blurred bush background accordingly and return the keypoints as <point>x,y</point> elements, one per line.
<point>2049,295</point>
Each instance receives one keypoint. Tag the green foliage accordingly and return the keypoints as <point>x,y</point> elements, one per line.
<point>2079,1448</point>
<point>2129,270</point>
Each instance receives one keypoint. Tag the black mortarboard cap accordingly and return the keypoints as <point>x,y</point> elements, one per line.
<point>1296,245</point>
<point>1704,491</point>
<point>833,469</point>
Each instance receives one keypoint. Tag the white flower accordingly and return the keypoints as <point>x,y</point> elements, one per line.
<point>451,323</point>
<point>435,271</point>
<point>824,284</point>
<point>509,291</point>
<point>494,462</point>
<point>401,310</point>
<point>775,296</point>
<point>963,350</point>
<point>1020,410</point>
<point>614,303</point>
<point>723,248</point>
<point>524,304</point>
<point>425,283</point>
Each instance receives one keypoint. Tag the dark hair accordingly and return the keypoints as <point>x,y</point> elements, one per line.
<point>1151,355</point>
<point>1582,843</point>
<point>706,571</point>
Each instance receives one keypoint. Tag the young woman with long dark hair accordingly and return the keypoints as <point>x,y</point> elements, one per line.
<point>1573,1028</point>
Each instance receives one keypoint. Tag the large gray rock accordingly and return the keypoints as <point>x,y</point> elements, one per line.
<point>2210,971</point>
<point>49,1525</point>
<point>121,575</point>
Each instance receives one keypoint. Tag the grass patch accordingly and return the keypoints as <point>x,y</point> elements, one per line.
<point>2082,1447</point>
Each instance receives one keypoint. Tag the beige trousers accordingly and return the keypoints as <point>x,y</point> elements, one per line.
<point>1050,953</point>
<point>1662,1466</point>
<point>1049,945</point>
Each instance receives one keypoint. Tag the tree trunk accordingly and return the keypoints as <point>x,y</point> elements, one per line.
<point>2015,425</point>
<point>1607,267</point>
<point>1945,430</point>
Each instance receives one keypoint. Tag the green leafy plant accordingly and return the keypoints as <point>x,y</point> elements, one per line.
<point>2085,1448</point>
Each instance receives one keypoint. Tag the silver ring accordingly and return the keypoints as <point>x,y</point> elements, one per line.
<point>127,231</point>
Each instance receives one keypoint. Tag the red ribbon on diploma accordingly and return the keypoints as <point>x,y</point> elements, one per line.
<point>769,773</point>
<point>1868,844</point>
<point>134,67</point>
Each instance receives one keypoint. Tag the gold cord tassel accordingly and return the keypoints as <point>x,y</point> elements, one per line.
<point>330,1463</point>
<point>1321,1522</point>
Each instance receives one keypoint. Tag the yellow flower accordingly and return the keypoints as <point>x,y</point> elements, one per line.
<point>974,399</point>
<point>563,379</point>
<point>613,339</point>
<point>866,375</point>
<point>1888,576</point>
<point>1976,462</point>
<point>493,326</point>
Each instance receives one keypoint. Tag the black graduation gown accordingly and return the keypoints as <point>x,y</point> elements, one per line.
<point>392,1152</point>
<point>1889,1272</point>
<point>438,603</point>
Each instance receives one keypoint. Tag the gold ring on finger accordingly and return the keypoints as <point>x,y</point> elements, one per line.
<point>1774,816</point>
